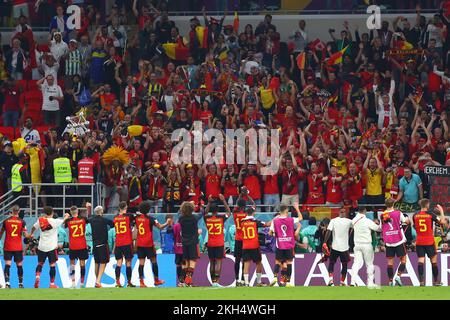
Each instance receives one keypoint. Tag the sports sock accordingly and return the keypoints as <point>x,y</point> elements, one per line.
<point>212,269</point>
<point>258,278</point>
<point>434,269</point>
<point>390,272</point>
<point>72,272</point>
<point>52,274</point>
<point>38,269</point>
<point>420,269</point>
<point>82,273</point>
<point>182,275</point>
<point>276,270</point>
<point>6,272</point>
<point>344,272</point>
<point>155,269</point>
<point>179,272</point>
<point>289,272</point>
<point>117,273</point>
<point>20,273</point>
<point>401,269</point>
<point>331,268</point>
<point>237,267</point>
<point>246,278</point>
<point>141,272</point>
<point>283,274</point>
<point>128,272</point>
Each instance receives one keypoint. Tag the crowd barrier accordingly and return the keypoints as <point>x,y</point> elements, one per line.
<point>307,271</point>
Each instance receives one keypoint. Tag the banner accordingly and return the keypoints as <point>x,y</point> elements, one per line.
<point>306,271</point>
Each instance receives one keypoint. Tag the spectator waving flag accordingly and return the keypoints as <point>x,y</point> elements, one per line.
<point>336,58</point>
<point>405,45</point>
<point>176,51</point>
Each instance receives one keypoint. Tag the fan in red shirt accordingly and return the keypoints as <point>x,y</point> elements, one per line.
<point>215,225</point>
<point>250,179</point>
<point>229,183</point>
<point>250,245</point>
<point>13,228</point>
<point>334,187</point>
<point>124,242</point>
<point>315,187</point>
<point>144,242</point>
<point>77,243</point>
<point>353,185</point>
<point>425,244</point>
<point>190,186</point>
<point>212,181</point>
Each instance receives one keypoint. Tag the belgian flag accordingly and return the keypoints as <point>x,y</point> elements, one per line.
<point>301,60</point>
<point>176,51</point>
<point>202,36</point>
<point>336,58</point>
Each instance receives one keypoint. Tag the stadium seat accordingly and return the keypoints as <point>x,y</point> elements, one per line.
<point>32,85</point>
<point>22,84</point>
<point>36,116</point>
<point>32,97</point>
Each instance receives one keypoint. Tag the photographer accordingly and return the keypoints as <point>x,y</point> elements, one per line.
<point>52,95</point>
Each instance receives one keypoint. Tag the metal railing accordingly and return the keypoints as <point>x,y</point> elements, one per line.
<point>34,197</point>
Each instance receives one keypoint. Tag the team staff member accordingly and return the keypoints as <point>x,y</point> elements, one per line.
<point>144,242</point>
<point>99,226</point>
<point>87,171</point>
<point>77,243</point>
<point>339,227</point>
<point>123,223</point>
<point>178,250</point>
<point>13,228</point>
<point>20,173</point>
<point>189,238</point>
<point>423,223</point>
<point>283,228</point>
<point>62,173</point>
<point>394,239</point>
<point>48,243</point>
<point>216,243</point>
<point>250,245</point>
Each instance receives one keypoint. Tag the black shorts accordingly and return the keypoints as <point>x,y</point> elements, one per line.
<point>344,256</point>
<point>179,259</point>
<point>216,252</point>
<point>429,250</point>
<point>398,251</point>
<point>9,255</point>
<point>238,249</point>
<point>190,252</point>
<point>123,252</point>
<point>251,255</point>
<point>101,254</point>
<point>146,252</point>
<point>51,255</point>
<point>284,255</point>
<point>81,254</point>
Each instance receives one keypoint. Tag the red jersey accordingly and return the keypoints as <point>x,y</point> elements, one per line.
<point>13,228</point>
<point>122,224</point>
<point>423,223</point>
<point>86,170</point>
<point>214,224</point>
<point>144,226</point>
<point>290,182</point>
<point>237,217</point>
<point>77,233</point>
<point>252,183</point>
<point>271,185</point>
<point>250,233</point>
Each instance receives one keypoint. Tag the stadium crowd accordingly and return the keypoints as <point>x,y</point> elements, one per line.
<point>359,115</point>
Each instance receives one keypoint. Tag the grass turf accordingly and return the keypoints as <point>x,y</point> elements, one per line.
<point>208,293</point>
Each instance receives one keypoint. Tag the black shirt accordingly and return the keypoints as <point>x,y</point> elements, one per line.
<point>99,227</point>
<point>189,229</point>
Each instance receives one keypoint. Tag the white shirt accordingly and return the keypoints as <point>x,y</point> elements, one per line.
<point>58,50</point>
<point>340,228</point>
<point>50,91</point>
<point>51,70</point>
<point>48,240</point>
<point>362,229</point>
<point>30,135</point>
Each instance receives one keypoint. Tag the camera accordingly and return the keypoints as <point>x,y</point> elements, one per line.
<point>50,98</point>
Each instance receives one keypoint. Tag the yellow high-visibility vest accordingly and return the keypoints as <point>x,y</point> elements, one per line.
<point>62,170</point>
<point>16,178</point>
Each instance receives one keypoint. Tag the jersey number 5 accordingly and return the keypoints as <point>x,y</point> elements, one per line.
<point>121,227</point>
<point>422,225</point>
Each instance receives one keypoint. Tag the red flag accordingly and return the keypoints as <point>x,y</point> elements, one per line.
<point>336,58</point>
<point>208,81</point>
<point>153,106</point>
<point>274,83</point>
<point>301,60</point>
<point>236,23</point>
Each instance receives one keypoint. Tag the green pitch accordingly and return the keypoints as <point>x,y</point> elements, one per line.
<point>202,293</point>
